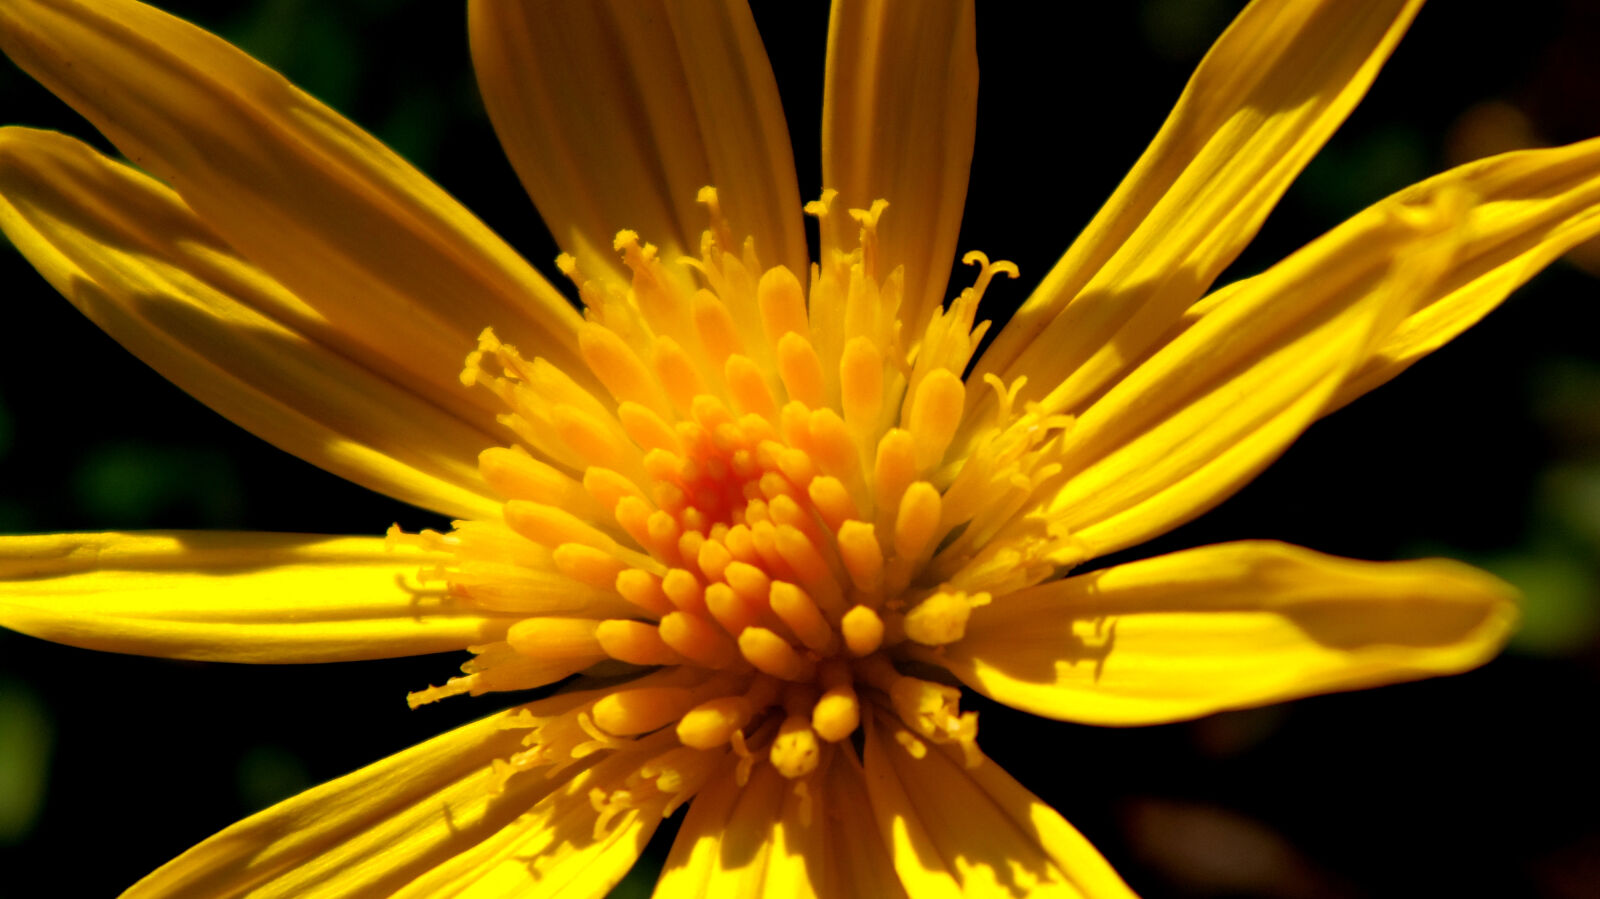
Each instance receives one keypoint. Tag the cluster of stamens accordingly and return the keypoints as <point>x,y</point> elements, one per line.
<point>779,498</point>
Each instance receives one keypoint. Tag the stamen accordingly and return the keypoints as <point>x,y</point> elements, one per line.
<point>640,710</point>
<point>778,495</point>
<point>863,631</point>
<point>935,414</point>
<point>635,642</point>
<point>795,751</point>
<point>698,640</point>
<point>772,654</point>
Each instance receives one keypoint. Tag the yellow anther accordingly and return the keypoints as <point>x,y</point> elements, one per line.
<point>663,464</point>
<point>795,751</point>
<point>609,487</point>
<point>592,566</point>
<point>675,368</point>
<point>618,367</point>
<point>832,446</point>
<point>685,591</point>
<point>633,516</point>
<point>647,427</point>
<point>514,474</point>
<point>837,714</point>
<point>693,537</point>
<point>710,413</point>
<point>719,337</point>
<point>551,638</point>
<point>731,610</point>
<point>832,501</point>
<point>698,640</point>
<point>549,526</point>
<point>772,654</point>
<point>661,535</point>
<point>917,521</point>
<point>863,631</point>
<point>893,471</point>
<point>820,206</point>
<point>933,710</point>
<point>800,554</point>
<point>749,387</point>
<point>868,220</point>
<point>782,302</point>
<point>861,383</point>
<point>640,710</point>
<point>748,581</point>
<point>862,557</point>
<point>713,559</point>
<point>643,589</point>
<point>587,435</point>
<point>938,620</point>
<point>935,414</point>
<point>712,723</point>
<point>797,466</point>
<point>635,642</point>
<point>801,371</point>
<point>721,236</point>
<point>796,609</point>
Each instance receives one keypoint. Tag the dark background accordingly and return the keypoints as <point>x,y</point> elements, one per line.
<point>1489,451</point>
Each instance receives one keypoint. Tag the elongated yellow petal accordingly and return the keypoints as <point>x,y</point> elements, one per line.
<point>390,260</point>
<point>731,838</point>
<point>1529,208</point>
<point>1227,626</point>
<point>973,831</point>
<point>779,838</point>
<point>1262,102</point>
<point>616,113</point>
<point>1198,418</point>
<point>132,257</point>
<point>426,821</point>
<point>899,113</point>
<point>855,850</point>
<point>552,850</point>
<point>232,597</point>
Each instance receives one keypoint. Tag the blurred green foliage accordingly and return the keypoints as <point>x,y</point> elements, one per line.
<point>268,774</point>
<point>26,734</point>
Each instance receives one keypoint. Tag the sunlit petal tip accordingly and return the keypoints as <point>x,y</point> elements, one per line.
<point>1228,626</point>
<point>317,203</point>
<point>232,597</point>
<point>958,828</point>
<point>133,257</point>
<point>1261,104</point>
<point>899,118</point>
<point>703,109</point>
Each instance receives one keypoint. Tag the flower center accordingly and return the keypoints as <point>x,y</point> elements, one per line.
<point>778,503</point>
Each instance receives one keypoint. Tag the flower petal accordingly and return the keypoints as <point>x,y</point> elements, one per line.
<point>1207,411</point>
<point>1260,105</point>
<point>423,821</point>
<point>132,257</point>
<point>554,849</point>
<point>899,113</point>
<point>957,831</point>
<point>234,597</point>
<point>1529,208</point>
<point>1224,627</point>
<point>731,837</point>
<point>393,263</point>
<point>774,838</point>
<point>616,113</point>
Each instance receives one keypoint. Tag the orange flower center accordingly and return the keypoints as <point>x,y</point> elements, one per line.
<point>780,502</point>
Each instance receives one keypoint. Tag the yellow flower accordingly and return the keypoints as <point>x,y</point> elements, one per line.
<point>748,499</point>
